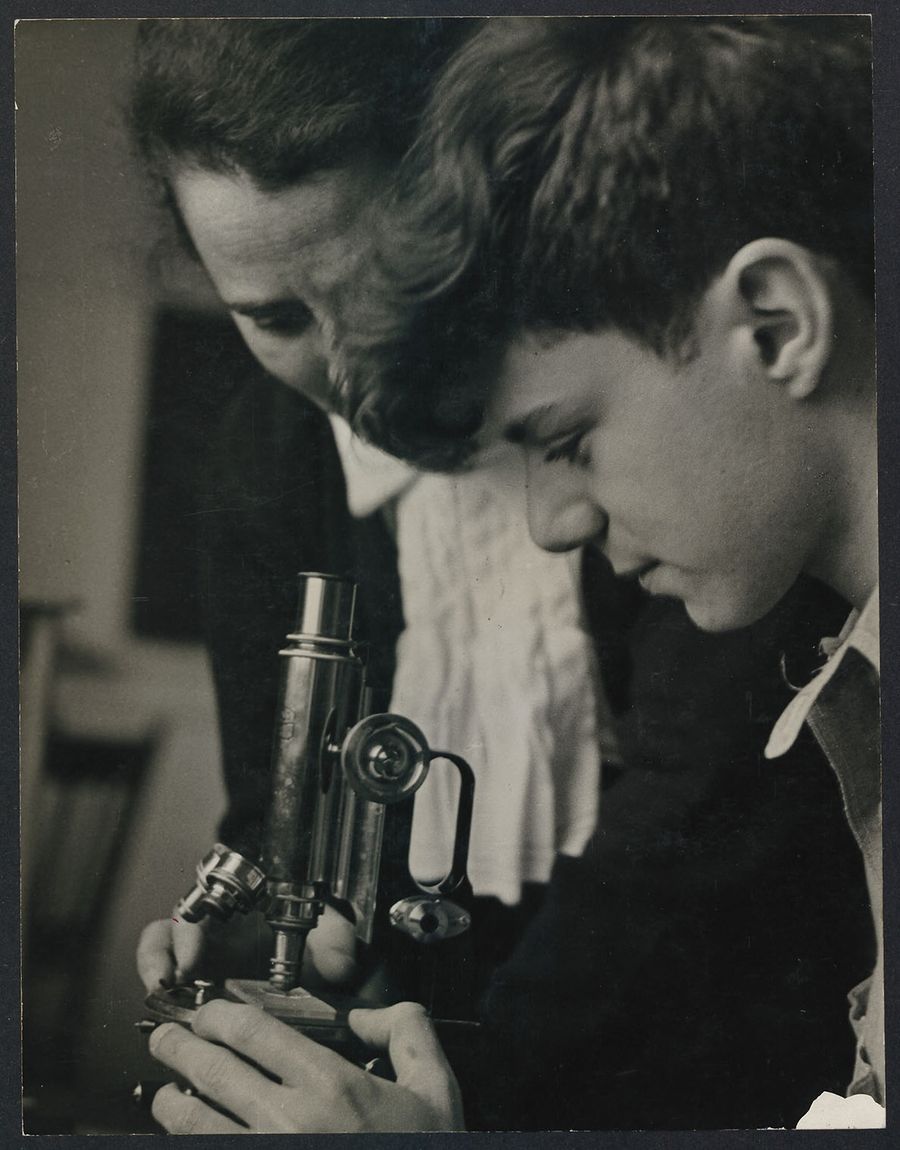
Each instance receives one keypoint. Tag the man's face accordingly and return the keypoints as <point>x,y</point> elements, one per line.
<point>279,259</point>
<point>696,478</point>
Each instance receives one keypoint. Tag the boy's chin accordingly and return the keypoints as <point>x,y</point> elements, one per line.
<point>728,612</point>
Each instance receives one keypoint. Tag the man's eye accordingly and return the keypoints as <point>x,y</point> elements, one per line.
<point>573,449</point>
<point>291,320</point>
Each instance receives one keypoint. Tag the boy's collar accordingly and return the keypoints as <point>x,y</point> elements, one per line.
<point>860,632</point>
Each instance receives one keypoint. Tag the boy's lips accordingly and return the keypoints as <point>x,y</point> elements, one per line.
<point>626,566</point>
<point>645,575</point>
<point>634,570</point>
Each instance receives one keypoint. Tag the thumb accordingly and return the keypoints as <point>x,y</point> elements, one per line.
<point>155,961</point>
<point>330,954</point>
<point>419,1062</point>
<point>188,939</point>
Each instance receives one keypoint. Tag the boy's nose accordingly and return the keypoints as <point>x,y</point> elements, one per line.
<point>558,526</point>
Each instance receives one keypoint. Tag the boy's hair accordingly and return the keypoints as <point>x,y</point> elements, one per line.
<point>281,99</point>
<point>595,173</point>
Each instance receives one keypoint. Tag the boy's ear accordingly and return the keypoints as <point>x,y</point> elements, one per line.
<point>779,298</point>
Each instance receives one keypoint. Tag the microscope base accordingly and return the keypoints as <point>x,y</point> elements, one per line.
<point>323,1019</point>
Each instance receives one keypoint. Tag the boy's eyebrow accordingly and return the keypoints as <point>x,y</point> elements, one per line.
<point>538,425</point>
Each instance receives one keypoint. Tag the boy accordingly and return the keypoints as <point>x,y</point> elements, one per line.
<point>697,400</point>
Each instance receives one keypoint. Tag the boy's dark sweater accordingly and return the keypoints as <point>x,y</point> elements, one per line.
<point>690,970</point>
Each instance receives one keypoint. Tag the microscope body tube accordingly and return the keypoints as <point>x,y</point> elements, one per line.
<point>335,768</point>
<point>308,846</point>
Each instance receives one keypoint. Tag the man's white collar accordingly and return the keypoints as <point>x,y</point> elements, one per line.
<point>372,476</point>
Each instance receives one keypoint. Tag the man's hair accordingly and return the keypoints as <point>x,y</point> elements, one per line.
<point>281,99</point>
<point>576,175</point>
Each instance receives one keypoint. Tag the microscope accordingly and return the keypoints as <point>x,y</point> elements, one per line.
<point>335,770</point>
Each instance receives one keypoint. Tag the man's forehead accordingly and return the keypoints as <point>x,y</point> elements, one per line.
<point>265,244</point>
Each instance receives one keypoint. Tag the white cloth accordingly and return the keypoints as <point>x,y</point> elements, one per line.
<point>495,665</point>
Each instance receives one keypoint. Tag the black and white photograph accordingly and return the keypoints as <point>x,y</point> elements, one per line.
<point>448,503</point>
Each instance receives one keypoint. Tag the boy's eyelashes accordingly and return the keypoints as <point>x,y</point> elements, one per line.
<point>572,448</point>
<point>288,319</point>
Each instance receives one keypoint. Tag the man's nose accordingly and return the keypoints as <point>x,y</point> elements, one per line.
<point>561,525</point>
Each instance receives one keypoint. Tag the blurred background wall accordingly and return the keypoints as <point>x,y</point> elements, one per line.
<point>121,792</point>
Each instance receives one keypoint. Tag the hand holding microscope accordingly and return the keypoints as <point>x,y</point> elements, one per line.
<point>336,769</point>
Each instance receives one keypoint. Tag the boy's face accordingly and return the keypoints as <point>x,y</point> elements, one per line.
<point>698,478</point>
<point>279,259</point>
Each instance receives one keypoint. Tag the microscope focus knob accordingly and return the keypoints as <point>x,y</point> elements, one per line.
<point>385,758</point>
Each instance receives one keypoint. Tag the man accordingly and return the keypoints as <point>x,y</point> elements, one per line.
<point>269,141</point>
<point>267,223</point>
<point>272,141</point>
